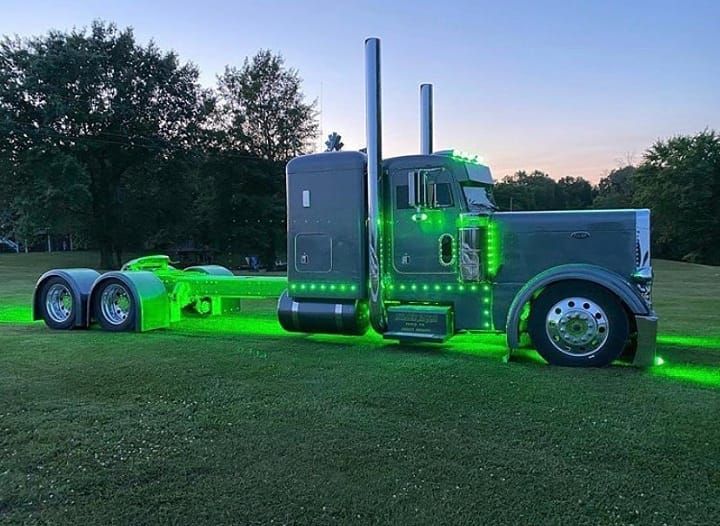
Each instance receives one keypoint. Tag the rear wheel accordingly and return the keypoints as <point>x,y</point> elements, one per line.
<point>57,304</point>
<point>114,306</point>
<point>577,323</point>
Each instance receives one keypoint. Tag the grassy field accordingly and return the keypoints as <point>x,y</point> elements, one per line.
<point>234,421</point>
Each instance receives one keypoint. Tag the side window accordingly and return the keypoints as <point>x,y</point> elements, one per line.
<point>402,197</point>
<point>443,195</point>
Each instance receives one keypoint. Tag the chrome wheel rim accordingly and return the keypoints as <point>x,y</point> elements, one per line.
<point>577,326</point>
<point>115,304</point>
<point>59,303</point>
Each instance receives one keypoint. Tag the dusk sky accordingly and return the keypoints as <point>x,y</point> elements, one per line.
<point>570,88</point>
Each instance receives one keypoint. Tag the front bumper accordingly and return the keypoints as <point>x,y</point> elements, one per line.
<point>646,340</point>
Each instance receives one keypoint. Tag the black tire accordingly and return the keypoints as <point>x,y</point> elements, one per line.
<point>107,320</point>
<point>589,333</point>
<point>51,316</point>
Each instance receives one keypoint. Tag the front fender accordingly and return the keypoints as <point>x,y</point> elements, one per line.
<point>608,279</point>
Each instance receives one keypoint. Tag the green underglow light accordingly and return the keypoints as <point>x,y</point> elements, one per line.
<point>15,314</point>
<point>696,374</point>
<point>699,342</point>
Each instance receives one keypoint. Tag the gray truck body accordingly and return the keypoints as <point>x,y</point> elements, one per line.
<point>327,246</point>
<point>413,247</point>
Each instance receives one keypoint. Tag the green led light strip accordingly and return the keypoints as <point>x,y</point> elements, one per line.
<point>494,247</point>
<point>493,239</point>
<point>323,287</point>
<point>439,287</point>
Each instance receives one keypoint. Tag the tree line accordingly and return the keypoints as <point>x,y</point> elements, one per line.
<point>678,179</point>
<point>116,145</point>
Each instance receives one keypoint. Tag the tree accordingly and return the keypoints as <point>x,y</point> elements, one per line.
<point>534,191</point>
<point>263,110</point>
<point>679,180</point>
<point>574,193</point>
<point>105,111</point>
<point>616,189</point>
<point>248,206</point>
<point>265,121</point>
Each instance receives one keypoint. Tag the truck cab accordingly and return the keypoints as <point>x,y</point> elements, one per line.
<point>440,238</point>
<point>449,262</point>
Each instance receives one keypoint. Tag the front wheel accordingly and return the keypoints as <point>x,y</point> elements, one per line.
<point>577,323</point>
<point>114,306</point>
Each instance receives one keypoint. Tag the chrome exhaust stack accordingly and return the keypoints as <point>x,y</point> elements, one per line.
<point>426,119</point>
<point>373,130</point>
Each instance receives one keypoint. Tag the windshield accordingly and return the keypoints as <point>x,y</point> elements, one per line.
<point>479,197</point>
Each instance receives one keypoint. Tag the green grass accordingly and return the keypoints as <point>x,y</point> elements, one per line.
<point>234,421</point>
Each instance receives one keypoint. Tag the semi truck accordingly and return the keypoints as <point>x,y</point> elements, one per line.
<point>412,247</point>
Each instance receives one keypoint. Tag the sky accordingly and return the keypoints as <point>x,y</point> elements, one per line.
<point>572,88</point>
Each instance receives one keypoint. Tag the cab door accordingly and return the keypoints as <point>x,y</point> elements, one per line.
<point>424,238</point>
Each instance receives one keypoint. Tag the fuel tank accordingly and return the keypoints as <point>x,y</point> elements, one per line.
<point>323,316</point>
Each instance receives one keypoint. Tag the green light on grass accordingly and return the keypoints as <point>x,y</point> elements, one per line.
<point>13,314</point>
<point>696,374</point>
<point>698,342</point>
